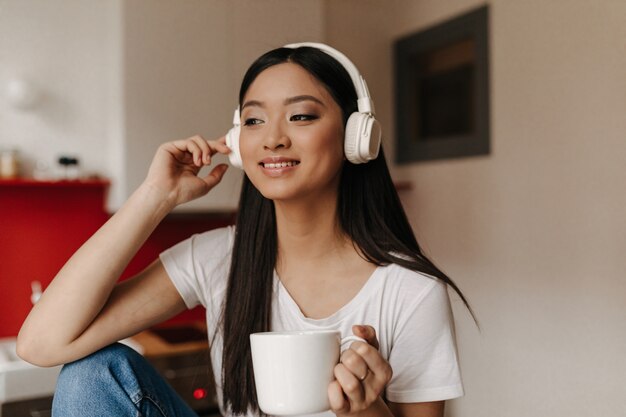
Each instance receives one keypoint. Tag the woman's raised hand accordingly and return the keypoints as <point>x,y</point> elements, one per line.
<point>175,167</point>
<point>361,375</point>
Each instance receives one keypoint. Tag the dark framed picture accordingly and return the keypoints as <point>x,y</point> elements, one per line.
<point>442,90</point>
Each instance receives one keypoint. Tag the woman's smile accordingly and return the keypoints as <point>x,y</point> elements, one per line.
<point>278,166</point>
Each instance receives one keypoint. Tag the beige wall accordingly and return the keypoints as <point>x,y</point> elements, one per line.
<point>534,233</point>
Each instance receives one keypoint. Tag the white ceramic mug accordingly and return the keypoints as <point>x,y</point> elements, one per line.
<point>292,370</point>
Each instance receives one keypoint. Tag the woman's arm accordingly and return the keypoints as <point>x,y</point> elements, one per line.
<point>82,309</point>
<point>430,409</point>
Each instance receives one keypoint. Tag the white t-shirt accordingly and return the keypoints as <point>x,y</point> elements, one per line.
<point>410,312</point>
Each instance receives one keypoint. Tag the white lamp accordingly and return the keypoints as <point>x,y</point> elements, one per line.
<point>22,95</point>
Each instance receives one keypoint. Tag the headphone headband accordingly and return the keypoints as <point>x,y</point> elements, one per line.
<point>364,102</point>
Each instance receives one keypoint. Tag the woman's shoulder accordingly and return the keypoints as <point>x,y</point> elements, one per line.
<point>410,284</point>
<point>408,276</point>
<point>216,239</point>
<point>211,244</point>
<point>415,298</point>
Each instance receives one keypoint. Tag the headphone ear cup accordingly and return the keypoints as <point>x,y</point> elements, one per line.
<point>362,138</point>
<point>232,141</point>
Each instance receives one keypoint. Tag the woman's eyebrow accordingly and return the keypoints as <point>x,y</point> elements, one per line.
<point>287,101</point>
<point>252,103</point>
<point>297,99</point>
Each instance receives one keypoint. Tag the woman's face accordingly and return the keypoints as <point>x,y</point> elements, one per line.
<point>291,135</point>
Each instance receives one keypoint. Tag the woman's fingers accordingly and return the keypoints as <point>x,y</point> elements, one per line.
<point>370,354</point>
<point>379,369</point>
<point>220,145</point>
<point>204,156</point>
<point>211,147</point>
<point>359,384</point>
<point>361,375</point>
<point>336,398</point>
<point>354,363</point>
<point>198,151</point>
<point>366,332</point>
<point>175,167</point>
<point>351,386</point>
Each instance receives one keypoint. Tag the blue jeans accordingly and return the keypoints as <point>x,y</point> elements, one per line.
<point>115,381</point>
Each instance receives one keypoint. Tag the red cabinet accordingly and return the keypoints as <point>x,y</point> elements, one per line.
<point>43,223</point>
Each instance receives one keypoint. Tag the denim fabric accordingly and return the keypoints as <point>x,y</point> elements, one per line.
<point>115,381</point>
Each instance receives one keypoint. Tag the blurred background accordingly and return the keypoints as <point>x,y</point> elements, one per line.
<point>534,233</point>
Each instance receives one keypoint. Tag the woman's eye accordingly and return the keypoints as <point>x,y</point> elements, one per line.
<point>303,117</point>
<point>252,121</point>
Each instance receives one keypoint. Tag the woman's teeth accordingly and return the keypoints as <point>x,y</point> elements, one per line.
<point>281,164</point>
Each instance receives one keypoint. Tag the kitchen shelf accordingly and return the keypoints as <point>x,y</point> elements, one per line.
<point>31,182</point>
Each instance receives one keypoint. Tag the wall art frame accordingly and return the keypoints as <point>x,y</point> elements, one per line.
<point>442,90</point>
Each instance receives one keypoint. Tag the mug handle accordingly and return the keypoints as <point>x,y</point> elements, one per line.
<point>349,339</point>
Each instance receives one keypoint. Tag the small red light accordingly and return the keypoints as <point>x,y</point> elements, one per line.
<point>199,393</point>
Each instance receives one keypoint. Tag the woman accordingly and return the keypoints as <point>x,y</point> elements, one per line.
<point>320,243</point>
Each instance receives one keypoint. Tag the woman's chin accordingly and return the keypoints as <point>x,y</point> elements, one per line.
<point>279,195</point>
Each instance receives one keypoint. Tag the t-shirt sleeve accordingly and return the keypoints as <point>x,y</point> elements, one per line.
<point>198,266</point>
<point>424,356</point>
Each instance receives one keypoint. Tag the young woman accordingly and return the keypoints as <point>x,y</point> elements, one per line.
<point>320,243</point>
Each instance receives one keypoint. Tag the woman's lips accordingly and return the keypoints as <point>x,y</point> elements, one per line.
<point>275,167</point>
<point>279,164</point>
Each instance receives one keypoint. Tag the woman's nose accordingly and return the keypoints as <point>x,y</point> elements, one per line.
<point>276,138</point>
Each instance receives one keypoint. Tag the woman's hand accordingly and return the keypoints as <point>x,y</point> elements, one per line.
<point>175,167</point>
<point>361,375</point>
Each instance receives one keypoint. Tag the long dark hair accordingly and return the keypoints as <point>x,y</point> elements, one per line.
<point>369,213</point>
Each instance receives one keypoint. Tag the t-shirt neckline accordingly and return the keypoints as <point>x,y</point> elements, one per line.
<point>366,291</point>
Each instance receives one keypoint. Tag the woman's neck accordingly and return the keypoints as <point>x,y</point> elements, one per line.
<point>309,230</point>
<point>317,263</point>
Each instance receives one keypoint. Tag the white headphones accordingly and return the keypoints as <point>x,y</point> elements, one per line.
<point>363,132</point>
